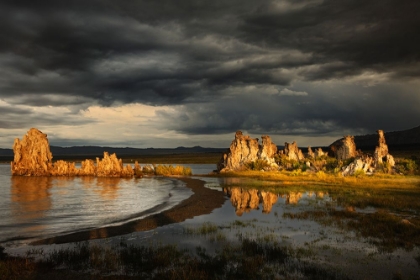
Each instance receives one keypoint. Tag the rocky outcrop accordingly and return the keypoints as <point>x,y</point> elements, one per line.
<point>267,150</point>
<point>344,148</point>
<point>311,154</point>
<point>368,164</point>
<point>319,153</point>
<point>364,163</point>
<point>245,149</point>
<point>292,151</point>
<point>111,166</point>
<point>381,151</point>
<point>32,157</point>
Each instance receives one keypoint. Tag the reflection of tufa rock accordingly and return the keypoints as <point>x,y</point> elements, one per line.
<point>33,158</point>
<point>245,149</point>
<point>344,148</point>
<point>245,200</point>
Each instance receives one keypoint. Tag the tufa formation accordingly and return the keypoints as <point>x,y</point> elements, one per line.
<point>246,153</point>
<point>245,149</point>
<point>32,157</point>
<point>343,148</point>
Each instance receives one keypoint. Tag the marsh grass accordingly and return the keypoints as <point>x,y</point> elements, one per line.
<point>383,229</point>
<point>288,178</point>
<point>246,259</point>
<point>204,229</point>
<point>169,170</point>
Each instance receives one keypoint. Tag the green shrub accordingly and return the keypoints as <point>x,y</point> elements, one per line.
<point>259,164</point>
<point>359,173</point>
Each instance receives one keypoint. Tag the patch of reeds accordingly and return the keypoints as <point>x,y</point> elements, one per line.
<point>378,180</point>
<point>169,170</point>
<point>247,259</point>
<point>385,230</point>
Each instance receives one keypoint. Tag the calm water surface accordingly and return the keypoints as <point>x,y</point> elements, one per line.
<point>38,207</point>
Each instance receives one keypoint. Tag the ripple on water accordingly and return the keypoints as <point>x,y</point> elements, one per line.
<point>40,207</point>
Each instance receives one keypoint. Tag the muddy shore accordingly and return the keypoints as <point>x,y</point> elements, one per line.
<point>203,201</point>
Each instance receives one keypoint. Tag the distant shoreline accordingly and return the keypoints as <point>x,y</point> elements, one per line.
<point>184,158</point>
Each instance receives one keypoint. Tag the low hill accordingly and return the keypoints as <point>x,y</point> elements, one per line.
<point>400,140</point>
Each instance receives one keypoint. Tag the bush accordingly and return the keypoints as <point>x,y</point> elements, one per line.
<point>359,172</point>
<point>171,170</point>
<point>406,166</point>
<point>259,164</point>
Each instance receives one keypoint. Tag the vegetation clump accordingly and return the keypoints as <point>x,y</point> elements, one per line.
<point>169,170</point>
<point>259,164</point>
<point>245,259</point>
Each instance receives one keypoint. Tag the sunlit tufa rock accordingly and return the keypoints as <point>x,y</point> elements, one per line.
<point>32,157</point>
<point>245,149</point>
<point>344,148</point>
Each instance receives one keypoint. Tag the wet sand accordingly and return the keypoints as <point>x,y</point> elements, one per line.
<point>203,201</point>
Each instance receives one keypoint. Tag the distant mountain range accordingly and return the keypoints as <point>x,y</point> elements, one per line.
<point>405,139</point>
<point>92,151</point>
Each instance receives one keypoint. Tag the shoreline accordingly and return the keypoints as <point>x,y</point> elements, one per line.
<point>202,201</point>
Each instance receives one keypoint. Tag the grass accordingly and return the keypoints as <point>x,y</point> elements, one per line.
<point>169,170</point>
<point>384,229</point>
<point>246,259</point>
<point>321,177</point>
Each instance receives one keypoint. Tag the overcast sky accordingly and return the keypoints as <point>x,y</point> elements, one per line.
<point>185,73</point>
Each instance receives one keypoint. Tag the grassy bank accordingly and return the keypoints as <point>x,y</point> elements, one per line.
<point>311,178</point>
<point>246,259</point>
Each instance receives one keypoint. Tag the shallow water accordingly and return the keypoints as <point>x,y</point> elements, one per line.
<point>40,207</point>
<point>258,214</point>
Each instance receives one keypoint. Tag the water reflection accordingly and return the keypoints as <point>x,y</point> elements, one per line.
<point>31,199</point>
<point>108,187</point>
<point>246,199</point>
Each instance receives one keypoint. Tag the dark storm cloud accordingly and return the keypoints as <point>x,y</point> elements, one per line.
<point>204,55</point>
<point>318,113</point>
<point>379,35</point>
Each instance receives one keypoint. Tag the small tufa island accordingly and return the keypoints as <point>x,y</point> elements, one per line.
<point>32,157</point>
<point>246,153</point>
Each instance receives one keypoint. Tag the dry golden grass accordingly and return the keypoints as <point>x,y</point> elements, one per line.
<point>302,178</point>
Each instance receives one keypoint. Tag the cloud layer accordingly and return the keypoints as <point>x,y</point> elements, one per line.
<point>305,69</point>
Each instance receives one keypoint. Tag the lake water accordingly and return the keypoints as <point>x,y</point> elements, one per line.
<point>326,230</point>
<point>38,207</point>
